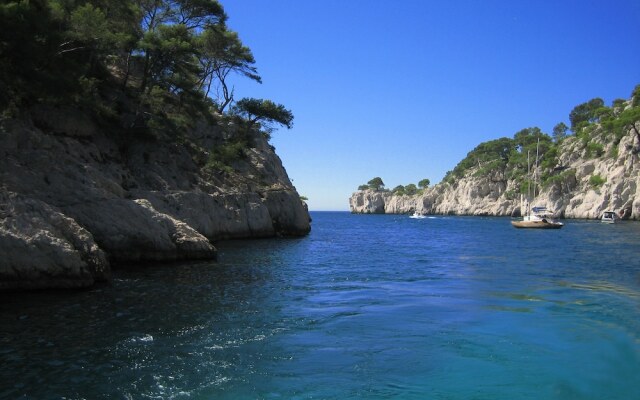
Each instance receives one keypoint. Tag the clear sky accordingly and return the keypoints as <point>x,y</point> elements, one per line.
<point>405,89</point>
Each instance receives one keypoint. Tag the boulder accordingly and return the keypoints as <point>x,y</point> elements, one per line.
<point>41,247</point>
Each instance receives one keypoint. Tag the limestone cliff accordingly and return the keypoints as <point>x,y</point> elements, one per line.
<point>76,196</point>
<point>582,186</point>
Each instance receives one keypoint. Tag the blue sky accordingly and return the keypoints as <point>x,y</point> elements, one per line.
<point>405,89</point>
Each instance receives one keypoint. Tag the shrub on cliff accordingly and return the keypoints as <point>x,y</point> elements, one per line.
<point>223,156</point>
<point>624,122</point>
<point>596,181</point>
<point>410,189</point>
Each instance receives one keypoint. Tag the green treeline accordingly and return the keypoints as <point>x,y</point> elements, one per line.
<point>512,159</point>
<point>533,155</point>
<point>151,65</point>
<point>411,189</point>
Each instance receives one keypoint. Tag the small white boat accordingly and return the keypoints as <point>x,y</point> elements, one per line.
<point>415,215</point>
<point>609,217</point>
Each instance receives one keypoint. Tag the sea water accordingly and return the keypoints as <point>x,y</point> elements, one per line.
<point>366,306</point>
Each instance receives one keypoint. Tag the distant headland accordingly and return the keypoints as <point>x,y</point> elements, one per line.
<point>579,171</point>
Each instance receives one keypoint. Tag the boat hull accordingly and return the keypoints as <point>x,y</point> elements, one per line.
<point>537,224</point>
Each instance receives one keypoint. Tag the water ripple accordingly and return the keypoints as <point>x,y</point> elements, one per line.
<point>365,307</point>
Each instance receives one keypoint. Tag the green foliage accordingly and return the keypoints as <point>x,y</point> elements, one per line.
<point>171,64</point>
<point>376,183</point>
<point>549,158</point>
<point>526,186</point>
<point>596,181</point>
<point>618,106</point>
<point>635,96</point>
<point>531,156</point>
<point>560,132</point>
<point>222,52</point>
<point>410,189</point>
<point>29,40</point>
<point>490,167</point>
<point>363,187</point>
<point>398,190</point>
<point>510,195</point>
<point>484,154</point>
<point>151,61</point>
<point>594,150</point>
<point>224,155</point>
<point>623,123</point>
<point>560,178</point>
<point>588,112</point>
<point>423,184</point>
<point>510,159</point>
<point>264,111</point>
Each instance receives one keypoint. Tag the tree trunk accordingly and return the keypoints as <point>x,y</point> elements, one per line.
<point>127,71</point>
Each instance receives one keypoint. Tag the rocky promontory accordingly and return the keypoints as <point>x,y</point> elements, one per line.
<point>75,198</point>
<point>578,176</point>
<point>123,140</point>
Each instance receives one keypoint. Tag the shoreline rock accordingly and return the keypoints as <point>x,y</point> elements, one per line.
<point>44,248</point>
<point>75,196</point>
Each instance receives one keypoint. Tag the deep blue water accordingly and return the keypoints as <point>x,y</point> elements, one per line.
<point>367,306</point>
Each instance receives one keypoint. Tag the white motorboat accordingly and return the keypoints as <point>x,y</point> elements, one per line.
<point>610,217</point>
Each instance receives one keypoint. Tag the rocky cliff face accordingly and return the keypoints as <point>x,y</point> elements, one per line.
<point>574,193</point>
<point>75,197</point>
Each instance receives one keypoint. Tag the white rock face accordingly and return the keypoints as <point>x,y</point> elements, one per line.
<point>129,199</point>
<point>572,196</point>
<point>369,202</point>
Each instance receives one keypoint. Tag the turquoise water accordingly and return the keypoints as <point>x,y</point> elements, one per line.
<point>372,307</point>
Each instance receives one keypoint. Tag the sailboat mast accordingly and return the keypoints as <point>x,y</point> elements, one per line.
<point>528,182</point>
<point>535,172</point>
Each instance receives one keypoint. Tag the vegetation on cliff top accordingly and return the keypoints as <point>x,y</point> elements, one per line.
<point>593,124</point>
<point>153,67</point>
<point>593,127</point>
<point>411,189</point>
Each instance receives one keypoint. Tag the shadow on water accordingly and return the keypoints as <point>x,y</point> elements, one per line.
<point>154,330</point>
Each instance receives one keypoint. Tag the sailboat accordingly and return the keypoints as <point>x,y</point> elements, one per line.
<point>535,217</point>
<point>539,218</point>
